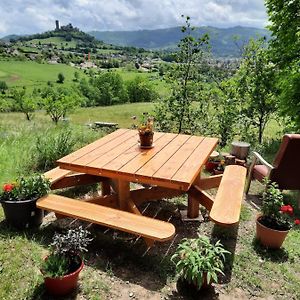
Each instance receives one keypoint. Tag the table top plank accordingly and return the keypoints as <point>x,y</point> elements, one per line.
<point>126,157</point>
<point>146,155</point>
<point>192,166</point>
<point>91,156</point>
<point>178,159</point>
<point>153,165</point>
<point>90,147</point>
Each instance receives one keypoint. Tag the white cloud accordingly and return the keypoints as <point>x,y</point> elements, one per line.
<point>29,16</point>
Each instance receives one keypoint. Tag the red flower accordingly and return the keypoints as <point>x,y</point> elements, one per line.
<point>288,209</point>
<point>8,187</point>
<point>297,222</point>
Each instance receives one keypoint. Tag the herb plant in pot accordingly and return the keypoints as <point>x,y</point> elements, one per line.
<point>198,261</point>
<point>273,225</point>
<point>18,200</point>
<point>62,266</point>
<point>145,130</point>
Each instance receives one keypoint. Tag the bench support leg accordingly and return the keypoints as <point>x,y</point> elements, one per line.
<point>105,188</point>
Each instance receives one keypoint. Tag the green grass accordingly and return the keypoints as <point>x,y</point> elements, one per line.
<point>58,41</point>
<point>32,74</point>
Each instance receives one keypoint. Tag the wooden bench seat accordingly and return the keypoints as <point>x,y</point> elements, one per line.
<point>226,207</point>
<point>106,124</point>
<point>60,178</point>
<point>135,224</point>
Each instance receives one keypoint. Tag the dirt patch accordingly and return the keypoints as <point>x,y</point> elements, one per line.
<point>14,78</point>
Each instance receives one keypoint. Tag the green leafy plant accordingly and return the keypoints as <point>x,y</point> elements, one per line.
<point>145,125</point>
<point>275,213</point>
<point>25,188</point>
<point>198,259</point>
<point>64,252</point>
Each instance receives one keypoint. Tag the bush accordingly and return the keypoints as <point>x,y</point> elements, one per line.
<point>50,147</point>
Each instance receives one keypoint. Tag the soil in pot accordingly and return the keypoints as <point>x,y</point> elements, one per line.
<point>270,234</point>
<point>146,139</point>
<point>22,214</point>
<point>61,286</point>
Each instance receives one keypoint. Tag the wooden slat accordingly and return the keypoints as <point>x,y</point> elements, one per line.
<point>192,166</point>
<point>227,205</point>
<point>147,155</point>
<point>90,147</point>
<point>130,154</point>
<point>153,165</point>
<point>56,174</point>
<point>89,157</point>
<point>124,221</point>
<point>177,160</point>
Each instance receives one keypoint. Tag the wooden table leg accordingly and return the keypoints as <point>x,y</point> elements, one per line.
<point>123,191</point>
<point>193,204</point>
<point>105,188</point>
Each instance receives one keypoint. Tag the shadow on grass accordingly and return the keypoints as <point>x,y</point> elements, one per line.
<point>228,237</point>
<point>274,255</point>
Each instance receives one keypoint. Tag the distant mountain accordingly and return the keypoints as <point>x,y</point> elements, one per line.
<point>221,39</point>
<point>7,38</point>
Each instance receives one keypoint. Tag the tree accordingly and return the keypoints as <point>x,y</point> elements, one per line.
<point>285,53</point>
<point>60,78</point>
<point>24,103</point>
<point>3,87</point>
<point>177,112</point>
<point>58,102</point>
<point>140,90</point>
<point>255,86</point>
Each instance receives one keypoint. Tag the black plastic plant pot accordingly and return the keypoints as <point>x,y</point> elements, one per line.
<point>22,214</point>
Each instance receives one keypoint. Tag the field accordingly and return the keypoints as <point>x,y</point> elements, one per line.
<point>117,266</point>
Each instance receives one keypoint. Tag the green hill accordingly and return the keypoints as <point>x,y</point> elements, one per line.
<point>221,39</point>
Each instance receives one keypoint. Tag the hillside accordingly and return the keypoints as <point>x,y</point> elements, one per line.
<point>221,39</point>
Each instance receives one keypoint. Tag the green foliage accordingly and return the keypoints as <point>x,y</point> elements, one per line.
<point>196,258</point>
<point>255,86</point>
<point>60,78</point>
<point>284,51</point>
<point>49,147</point>
<point>25,103</point>
<point>25,188</point>
<point>65,249</point>
<point>140,90</point>
<point>3,86</point>
<point>58,102</point>
<point>177,113</point>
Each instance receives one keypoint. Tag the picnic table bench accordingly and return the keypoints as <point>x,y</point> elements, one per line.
<point>172,167</point>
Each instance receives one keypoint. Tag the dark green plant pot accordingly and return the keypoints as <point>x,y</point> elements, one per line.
<point>22,214</point>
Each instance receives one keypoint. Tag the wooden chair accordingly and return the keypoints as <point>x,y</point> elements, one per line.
<point>285,170</point>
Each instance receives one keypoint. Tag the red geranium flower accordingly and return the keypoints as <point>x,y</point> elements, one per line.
<point>8,187</point>
<point>288,209</point>
<point>297,222</point>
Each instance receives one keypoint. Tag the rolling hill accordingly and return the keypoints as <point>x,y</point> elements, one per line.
<point>221,39</point>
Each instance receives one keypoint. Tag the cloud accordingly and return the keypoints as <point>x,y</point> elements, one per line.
<point>31,16</point>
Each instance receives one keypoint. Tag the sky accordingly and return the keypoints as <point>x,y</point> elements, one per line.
<point>31,16</point>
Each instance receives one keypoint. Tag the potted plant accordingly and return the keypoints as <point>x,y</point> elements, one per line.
<point>220,167</point>
<point>198,261</point>
<point>273,225</point>
<point>212,162</point>
<point>18,200</point>
<point>145,130</point>
<point>62,266</point>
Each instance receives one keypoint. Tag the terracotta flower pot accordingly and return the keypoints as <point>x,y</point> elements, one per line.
<point>146,139</point>
<point>64,285</point>
<point>268,237</point>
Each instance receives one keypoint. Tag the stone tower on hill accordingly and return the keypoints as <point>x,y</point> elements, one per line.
<point>56,25</point>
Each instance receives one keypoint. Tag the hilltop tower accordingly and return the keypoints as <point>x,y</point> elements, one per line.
<point>56,25</point>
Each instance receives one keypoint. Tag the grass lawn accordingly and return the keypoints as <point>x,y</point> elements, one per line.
<point>117,266</point>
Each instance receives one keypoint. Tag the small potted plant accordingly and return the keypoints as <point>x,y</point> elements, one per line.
<point>18,200</point>
<point>198,261</point>
<point>145,130</point>
<point>62,266</point>
<point>220,167</point>
<point>273,225</point>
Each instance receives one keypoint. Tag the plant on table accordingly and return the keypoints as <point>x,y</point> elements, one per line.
<point>64,263</point>
<point>277,218</point>
<point>19,198</point>
<point>198,261</point>
<point>145,129</point>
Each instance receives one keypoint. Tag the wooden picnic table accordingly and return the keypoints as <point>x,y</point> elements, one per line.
<point>171,168</point>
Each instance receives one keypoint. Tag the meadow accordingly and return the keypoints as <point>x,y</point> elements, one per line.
<point>116,267</point>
